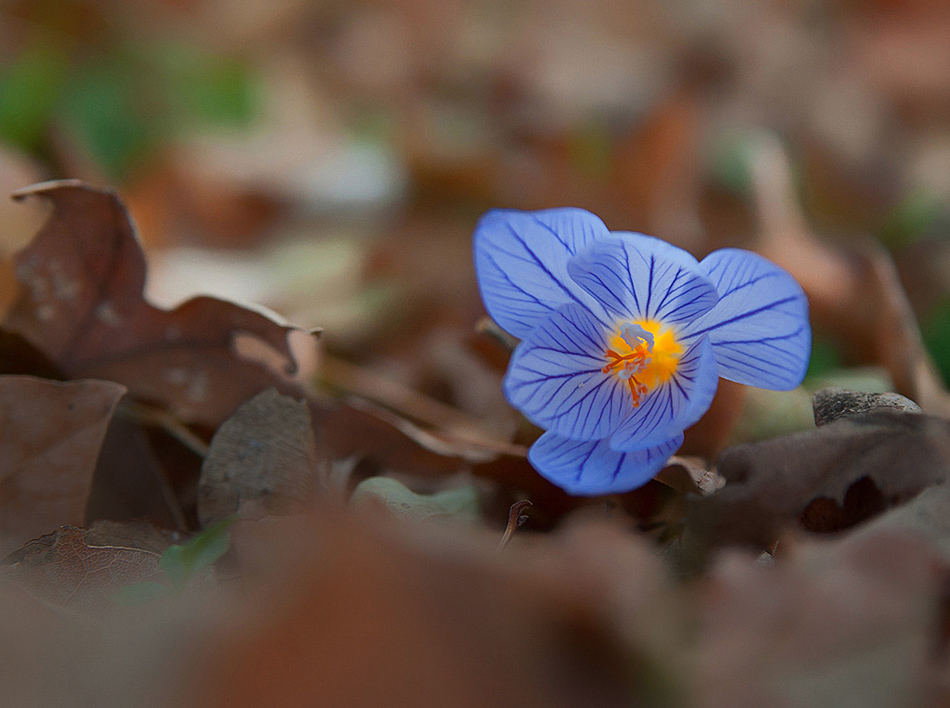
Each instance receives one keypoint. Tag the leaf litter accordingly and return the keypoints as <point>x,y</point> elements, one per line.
<point>346,538</point>
<point>80,303</point>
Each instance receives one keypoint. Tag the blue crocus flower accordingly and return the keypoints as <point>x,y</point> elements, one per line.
<point>624,338</point>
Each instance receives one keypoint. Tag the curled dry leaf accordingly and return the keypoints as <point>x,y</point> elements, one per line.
<point>827,479</point>
<point>81,303</point>
<point>50,436</point>
<point>830,404</point>
<point>690,475</point>
<point>70,568</point>
<point>262,459</point>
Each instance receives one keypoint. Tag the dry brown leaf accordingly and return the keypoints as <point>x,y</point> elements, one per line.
<point>18,356</point>
<point>81,304</point>
<point>690,475</point>
<point>827,479</point>
<point>262,460</point>
<point>131,481</point>
<point>360,428</point>
<point>50,436</point>
<point>67,569</point>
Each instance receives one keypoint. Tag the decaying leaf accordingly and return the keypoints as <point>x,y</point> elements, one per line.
<point>64,568</point>
<point>829,478</point>
<point>81,304</point>
<point>263,459</point>
<point>50,436</point>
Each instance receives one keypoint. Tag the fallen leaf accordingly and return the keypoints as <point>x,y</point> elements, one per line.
<point>81,304</point>
<point>67,570</point>
<point>833,403</point>
<point>358,427</point>
<point>131,482</point>
<point>50,436</point>
<point>263,459</point>
<point>18,356</point>
<point>131,534</point>
<point>690,475</point>
<point>850,469</point>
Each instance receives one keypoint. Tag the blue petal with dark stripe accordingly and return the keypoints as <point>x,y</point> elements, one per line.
<point>759,328</point>
<point>591,468</point>
<point>639,277</point>
<point>555,377</point>
<point>521,262</point>
<point>674,405</point>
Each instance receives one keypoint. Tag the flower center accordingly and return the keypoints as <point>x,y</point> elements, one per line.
<point>644,354</point>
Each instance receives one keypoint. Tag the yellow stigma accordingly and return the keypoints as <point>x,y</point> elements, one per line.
<point>645,353</point>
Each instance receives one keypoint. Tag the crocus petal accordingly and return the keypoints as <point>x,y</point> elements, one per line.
<point>640,277</point>
<point>591,467</point>
<point>759,328</point>
<point>556,379</point>
<point>675,404</point>
<point>521,262</point>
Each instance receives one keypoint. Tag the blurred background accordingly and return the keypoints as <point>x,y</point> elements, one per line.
<point>330,159</point>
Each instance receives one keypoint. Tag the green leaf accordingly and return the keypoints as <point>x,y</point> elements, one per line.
<point>206,88</point>
<point>183,562</point>
<point>402,501</point>
<point>109,107</point>
<point>936,332</point>
<point>825,358</point>
<point>730,162</point>
<point>915,216</point>
<point>29,88</point>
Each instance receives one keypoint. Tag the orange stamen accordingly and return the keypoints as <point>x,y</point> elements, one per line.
<point>650,363</point>
<point>636,357</point>
<point>637,390</point>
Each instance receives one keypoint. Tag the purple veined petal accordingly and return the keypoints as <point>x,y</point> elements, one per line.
<point>591,467</point>
<point>521,262</point>
<point>674,405</point>
<point>556,377</point>
<point>641,277</point>
<point>759,329</point>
